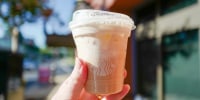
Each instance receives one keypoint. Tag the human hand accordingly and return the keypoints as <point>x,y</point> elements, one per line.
<point>73,87</point>
<point>101,4</point>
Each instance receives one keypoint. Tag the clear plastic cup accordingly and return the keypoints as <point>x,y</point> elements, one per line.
<point>101,41</point>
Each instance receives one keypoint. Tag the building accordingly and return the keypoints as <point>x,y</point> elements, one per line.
<point>167,49</point>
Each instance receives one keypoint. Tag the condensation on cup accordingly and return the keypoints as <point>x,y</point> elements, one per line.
<point>101,41</point>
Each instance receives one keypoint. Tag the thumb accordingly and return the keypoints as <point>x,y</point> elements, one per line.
<point>72,87</point>
<point>120,95</point>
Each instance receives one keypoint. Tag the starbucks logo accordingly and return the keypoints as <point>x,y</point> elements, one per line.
<point>104,68</point>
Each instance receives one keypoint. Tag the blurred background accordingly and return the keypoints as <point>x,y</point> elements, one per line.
<point>37,48</point>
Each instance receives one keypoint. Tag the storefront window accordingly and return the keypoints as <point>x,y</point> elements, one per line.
<point>181,66</point>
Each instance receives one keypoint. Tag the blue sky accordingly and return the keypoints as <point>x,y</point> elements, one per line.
<point>62,12</point>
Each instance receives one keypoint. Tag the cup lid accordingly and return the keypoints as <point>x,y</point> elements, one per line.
<point>98,17</point>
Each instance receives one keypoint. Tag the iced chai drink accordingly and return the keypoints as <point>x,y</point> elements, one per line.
<point>101,41</point>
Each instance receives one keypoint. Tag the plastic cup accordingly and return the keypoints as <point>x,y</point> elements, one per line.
<point>101,41</point>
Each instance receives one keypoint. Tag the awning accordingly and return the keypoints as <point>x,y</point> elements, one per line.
<point>60,40</point>
<point>184,19</point>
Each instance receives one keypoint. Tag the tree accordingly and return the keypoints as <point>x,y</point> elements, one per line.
<point>16,12</point>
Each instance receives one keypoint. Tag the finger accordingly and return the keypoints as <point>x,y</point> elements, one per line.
<point>88,1</point>
<point>125,73</point>
<point>96,4</point>
<point>87,96</point>
<point>120,95</point>
<point>109,3</point>
<point>71,88</point>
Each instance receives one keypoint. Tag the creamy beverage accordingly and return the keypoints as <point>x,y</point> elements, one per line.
<point>101,41</point>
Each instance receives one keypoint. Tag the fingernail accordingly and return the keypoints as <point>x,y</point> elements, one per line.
<point>81,67</point>
<point>79,63</point>
<point>84,68</point>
